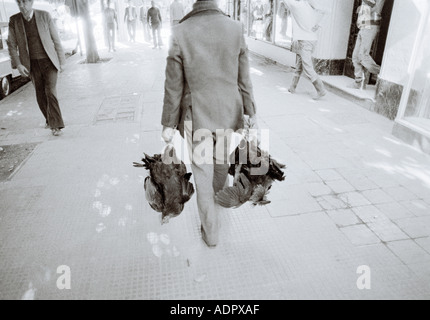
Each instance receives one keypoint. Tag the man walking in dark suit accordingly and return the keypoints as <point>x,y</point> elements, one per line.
<point>208,83</point>
<point>35,50</point>
<point>155,21</point>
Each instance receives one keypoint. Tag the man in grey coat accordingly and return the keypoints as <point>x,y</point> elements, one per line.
<point>36,51</point>
<point>207,84</point>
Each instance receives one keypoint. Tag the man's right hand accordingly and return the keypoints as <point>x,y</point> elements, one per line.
<point>23,71</point>
<point>168,134</point>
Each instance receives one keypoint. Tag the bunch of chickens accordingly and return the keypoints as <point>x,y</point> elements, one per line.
<point>254,172</point>
<point>168,186</point>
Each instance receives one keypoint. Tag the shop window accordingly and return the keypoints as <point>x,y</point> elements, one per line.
<point>4,28</point>
<point>418,103</point>
<point>243,14</point>
<point>1,39</point>
<point>261,19</point>
<point>283,28</point>
<point>226,6</point>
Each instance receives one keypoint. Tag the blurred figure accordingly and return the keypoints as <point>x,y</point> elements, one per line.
<point>369,21</point>
<point>305,18</point>
<point>155,21</point>
<point>257,19</point>
<point>268,20</point>
<point>176,12</point>
<point>283,15</point>
<point>35,50</point>
<point>110,18</point>
<point>143,19</point>
<point>130,16</point>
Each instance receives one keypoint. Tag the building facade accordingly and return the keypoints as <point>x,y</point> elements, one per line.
<point>402,48</point>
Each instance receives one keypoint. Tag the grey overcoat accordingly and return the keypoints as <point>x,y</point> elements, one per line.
<point>208,71</point>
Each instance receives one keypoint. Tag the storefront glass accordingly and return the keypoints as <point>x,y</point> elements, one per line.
<point>417,109</point>
<point>243,14</point>
<point>283,28</point>
<point>261,19</point>
<point>226,6</point>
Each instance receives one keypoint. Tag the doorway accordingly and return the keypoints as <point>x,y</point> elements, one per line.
<point>378,47</point>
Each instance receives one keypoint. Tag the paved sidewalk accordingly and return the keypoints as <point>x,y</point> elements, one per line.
<point>354,196</point>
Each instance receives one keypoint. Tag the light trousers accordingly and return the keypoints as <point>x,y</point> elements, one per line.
<point>210,176</point>
<point>361,56</point>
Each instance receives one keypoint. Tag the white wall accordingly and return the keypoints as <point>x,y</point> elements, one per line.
<point>335,28</point>
<point>278,54</point>
<point>402,36</point>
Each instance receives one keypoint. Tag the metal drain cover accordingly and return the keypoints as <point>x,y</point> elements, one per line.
<point>119,108</point>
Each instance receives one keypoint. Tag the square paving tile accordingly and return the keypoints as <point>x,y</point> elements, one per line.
<point>369,214</point>
<point>424,243</point>
<point>417,227</point>
<point>387,231</point>
<point>417,207</point>
<point>408,251</point>
<point>317,189</point>
<point>400,193</point>
<point>394,210</point>
<point>377,196</point>
<point>354,199</point>
<point>332,202</point>
<point>343,217</point>
<point>360,235</point>
<point>329,175</point>
<point>340,186</point>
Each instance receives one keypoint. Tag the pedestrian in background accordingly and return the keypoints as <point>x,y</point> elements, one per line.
<point>283,15</point>
<point>35,50</point>
<point>305,19</point>
<point>155,22</point>
<point>369,22</point>
<point>208,83</point>
<point>176,12</point>
<point>143,19</point>
<point>110,18</point>
<point>130,16</point>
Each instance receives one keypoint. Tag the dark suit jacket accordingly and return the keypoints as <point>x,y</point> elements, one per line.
<point>17,40</point>
<point>207,69</point>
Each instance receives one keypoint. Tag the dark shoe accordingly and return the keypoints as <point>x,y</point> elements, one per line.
<point>319,86</point>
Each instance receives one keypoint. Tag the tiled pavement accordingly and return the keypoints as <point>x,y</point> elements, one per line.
<point>354,196</point>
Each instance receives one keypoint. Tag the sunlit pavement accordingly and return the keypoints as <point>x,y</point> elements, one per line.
<point>351,221</point>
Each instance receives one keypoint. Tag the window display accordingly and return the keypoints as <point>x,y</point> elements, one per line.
<point>418,104</point>
<point>283,28</point>
<point>261,19</point>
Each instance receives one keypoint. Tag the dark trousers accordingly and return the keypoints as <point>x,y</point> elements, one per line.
<point>44,77</point>
<point>156,35</point>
